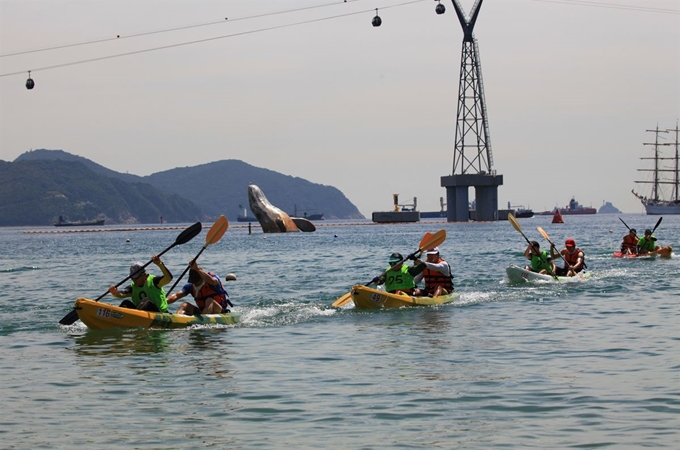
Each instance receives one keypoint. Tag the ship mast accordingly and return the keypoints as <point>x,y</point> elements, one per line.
<point>656,169</point>
<point>676,179</point>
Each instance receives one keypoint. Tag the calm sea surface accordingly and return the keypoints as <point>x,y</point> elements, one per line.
<point>593,364</point>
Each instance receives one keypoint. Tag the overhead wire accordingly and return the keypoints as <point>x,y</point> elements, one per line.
<point>198,41</point>
<point>168,30</point>
<point>612,6</point>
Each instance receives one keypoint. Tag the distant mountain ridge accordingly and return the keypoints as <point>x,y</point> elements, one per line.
<point>179,195</point>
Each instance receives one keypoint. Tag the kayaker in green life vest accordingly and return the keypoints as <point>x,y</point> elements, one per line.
<point>647,243</point>
<point>146,291</point>
<point>541,261</point>
<point>399,278</point>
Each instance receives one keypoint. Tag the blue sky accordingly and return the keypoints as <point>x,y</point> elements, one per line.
<point>571,87</point>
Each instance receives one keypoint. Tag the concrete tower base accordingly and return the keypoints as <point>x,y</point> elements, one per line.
<point>486,196</point>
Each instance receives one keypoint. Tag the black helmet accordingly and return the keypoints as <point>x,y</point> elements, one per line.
<point>648,231</point>
<point>633,230</point>
<point>395,257</point>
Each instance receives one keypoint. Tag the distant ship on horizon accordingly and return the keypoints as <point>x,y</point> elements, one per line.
<point>659,204</point>
<point>571,209</point>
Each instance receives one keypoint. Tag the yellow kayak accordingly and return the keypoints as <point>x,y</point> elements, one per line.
<point>367,298</point>
<point>101,316</point>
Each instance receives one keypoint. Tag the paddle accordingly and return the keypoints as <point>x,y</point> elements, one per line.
<point>547,238</point>
<point>624,223</point>
<point>215,233</point>
<point>658,222</point>
<point>428,241</point>
<point>516,226</point>
<point>184,237</point>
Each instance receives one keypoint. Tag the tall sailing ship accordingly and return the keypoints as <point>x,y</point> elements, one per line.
<point>664,198</point>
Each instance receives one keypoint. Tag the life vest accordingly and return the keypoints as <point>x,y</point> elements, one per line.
<point>149,291</point>
<point>572,258</point>
<point>215,292</point>
<point>540,262</point>
<point>433,279</point>
<point>399,279</point>
<point>647,244</point>
<point>629,242</point>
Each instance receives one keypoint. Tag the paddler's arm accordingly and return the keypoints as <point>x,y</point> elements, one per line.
<point>176,296</point>
<point>127,292</point>
<point>205,276</point>
<point>417,268</point>
<point>552,252</point>
<point>167,276</point>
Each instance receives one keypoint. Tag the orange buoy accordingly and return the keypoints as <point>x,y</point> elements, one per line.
<point>557,217</point>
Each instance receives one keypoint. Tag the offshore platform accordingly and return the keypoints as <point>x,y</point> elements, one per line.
<point>472,157</point>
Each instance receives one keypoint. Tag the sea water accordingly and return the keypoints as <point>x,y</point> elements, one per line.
<point>593,364</point>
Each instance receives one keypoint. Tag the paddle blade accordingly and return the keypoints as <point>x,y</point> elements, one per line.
<point>217,230</point>
<point>188,234</point>
<point>424,239</point>
<point>342,300</point>
<point>432,241</point>
<point>658,222</point>
<point>514,223</point>
<point>544,234</point>
<point>70,318</point>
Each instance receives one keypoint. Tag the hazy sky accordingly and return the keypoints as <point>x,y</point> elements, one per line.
<point>571,87</point>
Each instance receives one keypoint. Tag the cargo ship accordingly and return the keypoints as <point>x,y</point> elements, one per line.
<point>572,208</point>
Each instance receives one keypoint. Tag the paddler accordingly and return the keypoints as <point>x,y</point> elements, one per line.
<point>647,243</point>
<point>630,241</point>
<point>206,289</point>
<point>146,291</point>
<point>574,258</point>
<point>541,261</point>
<point>399,278</point>
<point>438,275</point>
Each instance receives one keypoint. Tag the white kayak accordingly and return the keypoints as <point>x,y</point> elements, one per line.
<point>519,274</point>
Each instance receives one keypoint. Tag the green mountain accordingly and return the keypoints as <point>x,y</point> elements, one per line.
<point>81,189</point>
<point>220,187</point>
<point>37,192</point>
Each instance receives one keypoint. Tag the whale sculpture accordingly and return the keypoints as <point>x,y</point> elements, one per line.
<point>273,219</point>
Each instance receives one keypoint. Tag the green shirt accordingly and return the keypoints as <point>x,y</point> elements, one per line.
<point>152,292</point>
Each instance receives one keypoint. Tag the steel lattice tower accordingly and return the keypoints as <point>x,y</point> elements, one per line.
<point>472,157</point>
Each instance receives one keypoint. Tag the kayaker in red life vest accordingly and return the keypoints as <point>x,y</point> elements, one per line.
<point>398,278</point>
<point>146,291</point>
<point>438,275</point>
<point>629,244</point>
<point>207,290</point>
<point>573,256</point>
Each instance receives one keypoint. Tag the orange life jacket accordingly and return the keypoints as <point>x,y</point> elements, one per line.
<point>215,292</point>
<point>572,258</point>
<point>433,279</point>
<point>629,242</point>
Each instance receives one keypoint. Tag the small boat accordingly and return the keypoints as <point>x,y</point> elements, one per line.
<point>368,298</point>
<point>62,222</point>
<point>664,252</point>
<point>102,316</point>
<point>519,274</point>
<point>665,178</point>
<point>244,217</point>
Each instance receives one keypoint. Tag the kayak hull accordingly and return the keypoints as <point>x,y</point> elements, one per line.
<point>368,298</point>
<point>664,252</point>
<point>102,316</point>
<point>518,274</point>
